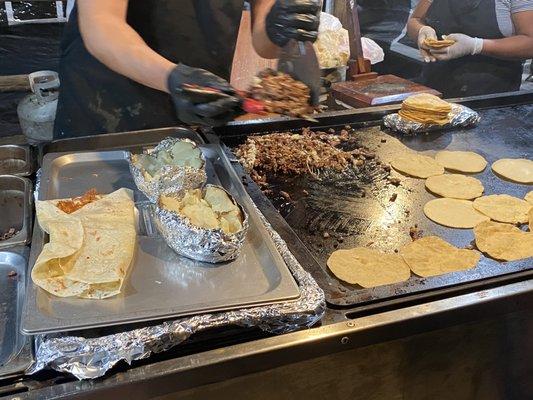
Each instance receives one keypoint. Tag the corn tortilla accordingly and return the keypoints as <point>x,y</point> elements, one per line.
<point>438,44</point>
<point>431,256</point>
<point>417,165</point>
<point>453,213</point>
<point>503,208</point>
<point>368,268</point>
<point>503,241</point>
<point>455,186</point>
<point>462,161</point>
<point>515,169</point>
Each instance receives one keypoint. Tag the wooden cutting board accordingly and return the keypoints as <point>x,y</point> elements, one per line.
<point>384,89</point>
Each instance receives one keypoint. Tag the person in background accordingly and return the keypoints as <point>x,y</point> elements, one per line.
<point>492,38</point>
<point>124,62</point>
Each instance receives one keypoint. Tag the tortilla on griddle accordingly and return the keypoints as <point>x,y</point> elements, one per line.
<point>367,267</point>
<point>90,250</point>
<point>503,241</point>
<point>431,256</point>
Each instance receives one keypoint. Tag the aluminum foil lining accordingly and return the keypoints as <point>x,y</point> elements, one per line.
<point>91,357</point>
<point>461,117</point>
<point>170,179</point>
<point>208,245</point>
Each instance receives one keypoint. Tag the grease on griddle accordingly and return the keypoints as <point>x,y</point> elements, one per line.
<point>329,178</point>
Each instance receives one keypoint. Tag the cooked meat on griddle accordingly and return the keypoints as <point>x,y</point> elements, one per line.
<point>281,94</point>
<point>307,152</point>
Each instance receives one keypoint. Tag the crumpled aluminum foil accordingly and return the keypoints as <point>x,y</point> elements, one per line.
<point>170,179</point>
<point>461,117</point>
<point>89,358</point>
<point>209,245</point>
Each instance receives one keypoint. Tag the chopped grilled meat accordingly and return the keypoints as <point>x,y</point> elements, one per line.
<point>289,153</point>
<point>415,232</point>
<point>281,94</point>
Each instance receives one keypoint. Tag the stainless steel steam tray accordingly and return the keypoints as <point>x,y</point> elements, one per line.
<point>160,284</point>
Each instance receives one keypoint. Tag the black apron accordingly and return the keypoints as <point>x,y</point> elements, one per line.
<point>93,99</point>
<point>469,75</point>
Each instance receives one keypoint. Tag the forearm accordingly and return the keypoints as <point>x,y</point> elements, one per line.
<point>518,47</point>
<point>114,43</point>
<point>260,40</point>
<point>413,27</point>
<point>416,20</point>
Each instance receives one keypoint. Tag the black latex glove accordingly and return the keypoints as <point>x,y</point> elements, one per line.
<point>202,109</point>
<point>293,19</point>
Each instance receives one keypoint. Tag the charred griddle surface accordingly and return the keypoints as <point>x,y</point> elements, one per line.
<point>369,208</point>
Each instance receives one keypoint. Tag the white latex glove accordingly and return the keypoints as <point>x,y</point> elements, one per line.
<point>426,32</point>
<point>464,46</point>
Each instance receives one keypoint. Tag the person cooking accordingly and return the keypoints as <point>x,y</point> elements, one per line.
<point>492,37</point>
<point>122,59</point>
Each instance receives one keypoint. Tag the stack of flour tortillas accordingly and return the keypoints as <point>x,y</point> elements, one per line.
<point>461,204</point>
<point>90,250</point>
<point>426,108</point>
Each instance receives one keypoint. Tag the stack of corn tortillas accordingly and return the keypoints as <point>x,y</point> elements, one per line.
<point>426,108</point>
<point>90,250</point>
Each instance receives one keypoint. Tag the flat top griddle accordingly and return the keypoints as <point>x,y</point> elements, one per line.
<point>358,211</point>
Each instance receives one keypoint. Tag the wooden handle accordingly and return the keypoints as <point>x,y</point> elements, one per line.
<point>14,83</point>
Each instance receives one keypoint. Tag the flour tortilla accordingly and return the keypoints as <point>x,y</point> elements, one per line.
<point>417,165</point>
<point>462,161</point>
<point>455,186</point>
<point>516,169</point>
<point>368,268</point>
<point>529,197</point>
<point>453,213</point>
<point>431,256</point>
<point>90,250</point>
<point>503,208</point>
<point>503,241</point>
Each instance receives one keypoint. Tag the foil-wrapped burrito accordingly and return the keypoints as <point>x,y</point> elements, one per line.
<point>203,224</point>
<point>459,117</point>
<point>173,166</point>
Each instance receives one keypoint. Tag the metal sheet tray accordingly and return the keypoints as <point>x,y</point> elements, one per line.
<point>160,284</point>
<point>15,348</point>
<point>16,205</point>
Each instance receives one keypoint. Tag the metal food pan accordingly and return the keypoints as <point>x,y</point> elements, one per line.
<point>376,221</point>
<point>16,202</point>
<point>15,348</point>
<point>15,160</point>
<point>133,141</point>
<point>161,284</point>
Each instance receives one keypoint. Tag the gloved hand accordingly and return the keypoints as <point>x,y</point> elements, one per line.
<point>293,19</point>
<point>464,46</point>
<point>202,109</point>
<point>426,32</point>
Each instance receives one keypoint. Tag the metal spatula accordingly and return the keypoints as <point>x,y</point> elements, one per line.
<point>298,59</point>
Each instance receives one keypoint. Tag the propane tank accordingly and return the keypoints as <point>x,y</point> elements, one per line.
<point>37,111</point>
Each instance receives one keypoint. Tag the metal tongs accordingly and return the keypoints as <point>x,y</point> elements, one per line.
<point>249,105</point>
